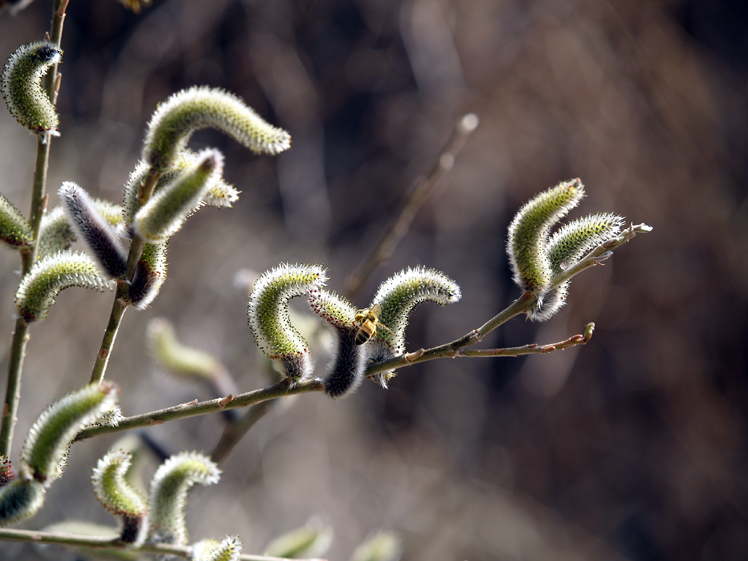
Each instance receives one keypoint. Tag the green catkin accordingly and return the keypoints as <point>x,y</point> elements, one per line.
<point>566,247</point>
<point>14,228</point>
<point>219,195</point>
<point>197,108</point>
<point>40,286</point>
<point>269,318</point>
<point>46,446</point>
<point>19,500</point>
<point>113,491</point>
<point>168,494</point>
<point>228,549</point>
<point>22,89</point>
<point>528,234</point>
<point>312,540</point>
<point>164,214</point>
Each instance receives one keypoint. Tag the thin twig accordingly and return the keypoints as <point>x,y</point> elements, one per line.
<point>121,297</point>
<point>410,206</point>
<point>20,336</point>
<point>234,432</point>
<point>98,542</point>
<point>191,409</point>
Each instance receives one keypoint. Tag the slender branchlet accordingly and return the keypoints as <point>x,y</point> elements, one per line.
<point>113,491</point>
<point>196,108</point>
<point>220,194</point>
<point>6,470</point>
<point>397,296</point>
<point>269,318</point>
<point>382,546</point>
<point>150,274</point>
<point>93,229</point>
<point>566,247</point>
<point>38,289</point>
<point>22,88</point>
<point>346,370</point>
<point>56,233</point>
<point>49,438</point>
<point>168,494</point>
<point>311,540</point>
<point>528,234</point>
<point>14,228</point>
<point>167,210</point>
<point>228,549</point>
<point>20,499</point>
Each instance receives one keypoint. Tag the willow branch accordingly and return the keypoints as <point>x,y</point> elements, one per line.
<point>410,206</point>
<point>20,336</point>
<point>233,432</point>
<point>98,542</point>
<point>194,408</point>
<point>121,300</point>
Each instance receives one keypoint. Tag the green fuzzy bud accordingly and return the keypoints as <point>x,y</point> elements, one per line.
<point>346,371</point>
<point>219,195</point>
<point>228,549</point>
<point>382,546</point>
<point>398,295</point>
<point>150,275</point>
<point>167,210</point>
<point>528,234</point>
<point>94,229</point>
<point>565,248</point>
<point>168,494</point>
<point>40,286</point>
<point>14,228</point>
<point>179,359</point>
<point>269,317</point>
<point>117,496</point>
<point>24,95</point>
<point>187,111</point>
<point>46,446</point>
<point>311,540</point>
<point>19,500</point>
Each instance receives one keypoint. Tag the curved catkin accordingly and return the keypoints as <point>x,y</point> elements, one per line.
<point>19,500</point>
<point>22,89</point>
<point>49,438</point>
<point>168,494</point>
<point>269,319</point>
<point>14,228</point>
<point>566,247</point>
<point>150,275</point>
<point>228,549</point>
<point>528,234</point>
<point>219,195</point>
<point>93,229</point>
<point>197,108</point>
<point>40,286</point>
<point>117,496</point>
<point>346,369</point>
<point>398,295</point>
<point>166,211</point>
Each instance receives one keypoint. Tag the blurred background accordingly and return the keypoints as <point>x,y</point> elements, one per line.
<point>633,447</point>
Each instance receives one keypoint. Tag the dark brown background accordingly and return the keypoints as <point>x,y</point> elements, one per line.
<point>633,447</point>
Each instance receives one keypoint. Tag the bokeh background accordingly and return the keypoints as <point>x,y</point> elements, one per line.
<point>633,447</point>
